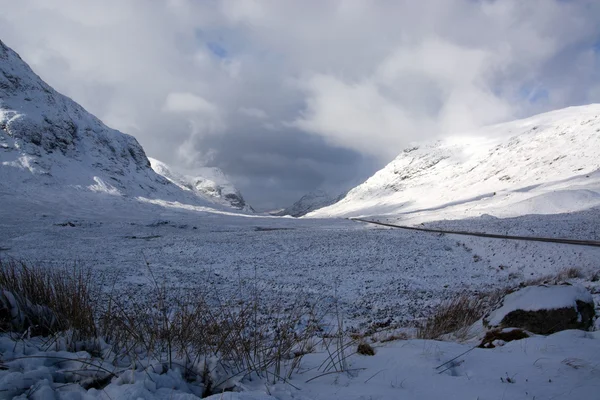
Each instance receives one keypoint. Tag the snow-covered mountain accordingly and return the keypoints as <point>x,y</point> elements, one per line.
<point>51,147</point>
<point>546,164</point>
<point>208,183</point>
<point>310,202</point>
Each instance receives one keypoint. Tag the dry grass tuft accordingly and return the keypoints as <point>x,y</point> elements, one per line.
<point>365,349</point>
<point>455,315</point>
<point>569,273</point>
<point>47,301</point>
<point>562,276</point>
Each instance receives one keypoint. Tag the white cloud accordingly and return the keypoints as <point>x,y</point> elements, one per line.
<point>188,102</point>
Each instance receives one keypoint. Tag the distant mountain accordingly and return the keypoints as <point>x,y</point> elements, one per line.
<point>545,164</point>
<point>310,202</point>
<point>209,184</point>
<point>54,150</point>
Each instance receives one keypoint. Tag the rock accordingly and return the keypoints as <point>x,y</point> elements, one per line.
<point>544,309</point>
<point>498,337</point>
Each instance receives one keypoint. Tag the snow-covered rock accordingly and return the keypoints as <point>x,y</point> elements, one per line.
<point>545,309</point>
<point>546,164</point>
<point>310,202</point>
<point>208,183</point>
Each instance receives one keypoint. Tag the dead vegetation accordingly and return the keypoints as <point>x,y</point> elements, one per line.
<point>457,314</point>
<point>365,349</point>
<point>216,342</point>
<point>454,315</point>
<point>42,301</point>
<point>560,277</point>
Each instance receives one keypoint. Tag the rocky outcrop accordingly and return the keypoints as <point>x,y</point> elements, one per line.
<point>544,309</point>
<point>310,202</point>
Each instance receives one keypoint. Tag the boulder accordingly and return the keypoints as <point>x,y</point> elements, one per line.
<point>544,309</point>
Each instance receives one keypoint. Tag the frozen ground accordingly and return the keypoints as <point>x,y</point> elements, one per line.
<point>376,274</point>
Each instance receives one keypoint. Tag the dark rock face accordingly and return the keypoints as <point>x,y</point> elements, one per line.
<point>310,202</point>
<point>545,322</point>
<point>544,309</point>
<point>236,201</point>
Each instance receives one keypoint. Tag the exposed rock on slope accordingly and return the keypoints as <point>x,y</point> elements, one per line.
<point>310,202</point>
<point>210,184</point>
<point>545,164</point>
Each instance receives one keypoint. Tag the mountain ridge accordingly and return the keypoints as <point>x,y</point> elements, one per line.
<point>544,164</point>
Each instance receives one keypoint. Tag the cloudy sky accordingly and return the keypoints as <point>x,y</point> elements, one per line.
<point>290,96</point>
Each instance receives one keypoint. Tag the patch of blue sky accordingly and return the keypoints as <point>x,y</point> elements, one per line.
<point>214,45</point>
<point>217,49</point>
<point>534,93</point>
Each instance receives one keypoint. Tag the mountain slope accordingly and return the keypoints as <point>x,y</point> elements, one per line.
<point>545,164</point>
<point>310,202</point>
<point>52,148</point>
<point>209,184</point>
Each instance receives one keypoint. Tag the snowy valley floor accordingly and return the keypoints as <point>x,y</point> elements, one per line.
<point>377,276</point>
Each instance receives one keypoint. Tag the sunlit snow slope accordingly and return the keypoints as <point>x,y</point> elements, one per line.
<point>207,183</point>
<point>51,149</point>
<point>546,164</point>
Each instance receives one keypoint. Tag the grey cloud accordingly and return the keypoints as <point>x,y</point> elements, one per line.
<point>290,96</point>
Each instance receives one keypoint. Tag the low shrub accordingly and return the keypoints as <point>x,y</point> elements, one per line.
<point>454,315</point>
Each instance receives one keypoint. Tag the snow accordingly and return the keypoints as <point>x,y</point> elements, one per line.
<point>376,274</point>
<point>534,298</point>
<point>207,183</point>
<point>546,164</point>
<point>559,366</point>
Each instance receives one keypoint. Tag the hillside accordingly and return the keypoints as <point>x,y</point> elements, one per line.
<point>54,151</point>
<point>546,164</point>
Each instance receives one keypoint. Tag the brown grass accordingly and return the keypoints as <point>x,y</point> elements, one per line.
<point>47,301</point>
<point>562,276</point>
<point>365,349</point>
<point>456,314</point>
<point>212,339</point>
